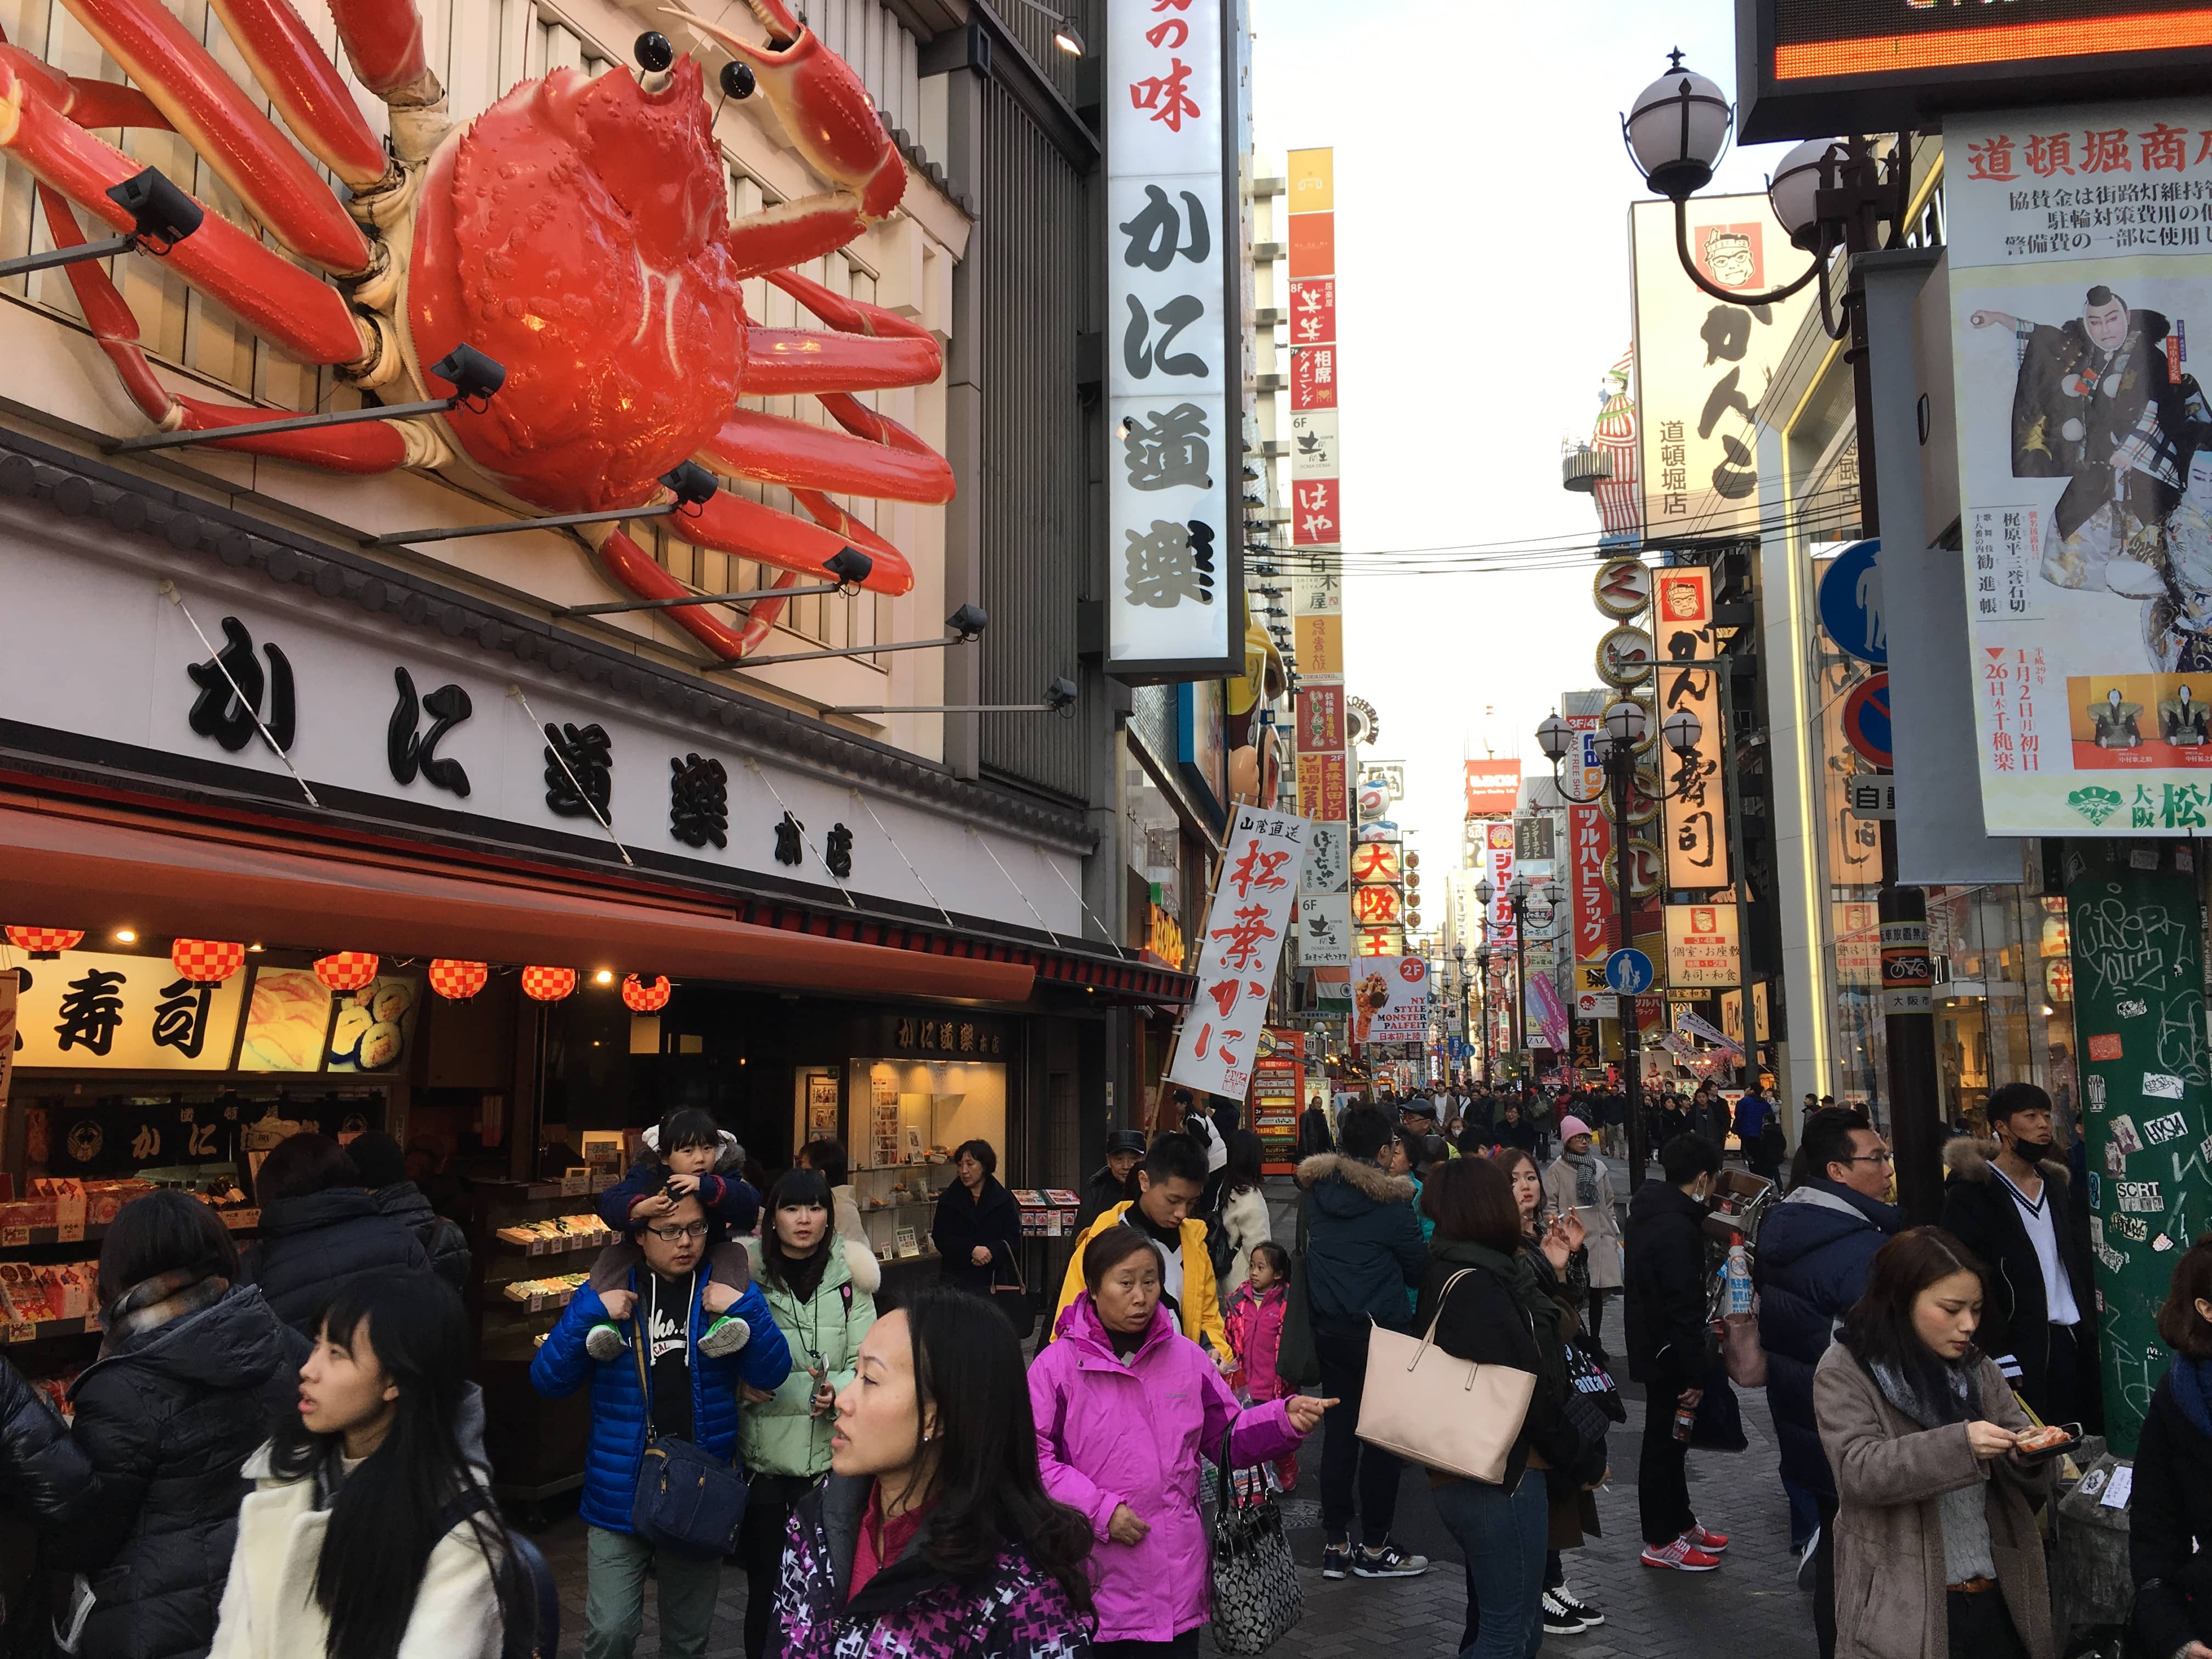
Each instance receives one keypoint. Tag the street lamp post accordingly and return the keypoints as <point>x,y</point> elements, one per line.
<point>1482,967</point>
<point>1517,893</point>
<point>1625,724</point>
<point>1832,195</point>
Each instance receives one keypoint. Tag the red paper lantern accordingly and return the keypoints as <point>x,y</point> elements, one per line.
<point>548,984</point>
<point>641,998</point>
<point>45,942</point>
<point>457,982</point>
<point>346,970</point>
<point>206,961</point>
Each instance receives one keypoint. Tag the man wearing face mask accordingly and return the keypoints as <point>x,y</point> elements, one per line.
<point>2010,1201</point>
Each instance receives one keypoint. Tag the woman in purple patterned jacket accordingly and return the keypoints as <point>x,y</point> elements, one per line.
<point>932,1537</point>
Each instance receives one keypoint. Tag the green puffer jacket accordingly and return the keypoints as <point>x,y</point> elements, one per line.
<point>779,1436</point>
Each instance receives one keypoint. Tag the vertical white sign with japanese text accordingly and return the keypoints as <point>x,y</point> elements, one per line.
<point>1251,916</point>
<point>2080,256</point>
<point>1174,431</point>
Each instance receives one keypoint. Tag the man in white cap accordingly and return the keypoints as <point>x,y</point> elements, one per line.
<point>1579,1181</point>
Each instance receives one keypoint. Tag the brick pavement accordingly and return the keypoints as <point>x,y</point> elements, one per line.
<point>1751,1604</point>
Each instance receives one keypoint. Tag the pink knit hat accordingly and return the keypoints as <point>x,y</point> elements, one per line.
<point>1570,1127</point>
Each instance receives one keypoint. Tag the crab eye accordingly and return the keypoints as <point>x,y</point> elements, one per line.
<point>737,79</point>
<point>654,52</point>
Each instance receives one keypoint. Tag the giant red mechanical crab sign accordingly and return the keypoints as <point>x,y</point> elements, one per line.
<point>577,232</point>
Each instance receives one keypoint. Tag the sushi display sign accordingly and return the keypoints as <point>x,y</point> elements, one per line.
<point>94,1011</point>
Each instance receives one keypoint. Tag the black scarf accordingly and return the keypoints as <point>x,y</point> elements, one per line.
<point>152,1302</point>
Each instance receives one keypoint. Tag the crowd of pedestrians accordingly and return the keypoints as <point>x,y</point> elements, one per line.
<point>281,1454</point>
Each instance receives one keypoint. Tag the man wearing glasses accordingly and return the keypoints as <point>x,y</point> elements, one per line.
<point>1814,1248</point>
<point>677,1378</point>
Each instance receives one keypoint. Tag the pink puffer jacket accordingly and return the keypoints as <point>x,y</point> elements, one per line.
<point>1113,1431</point>
<point>1254,1320</point>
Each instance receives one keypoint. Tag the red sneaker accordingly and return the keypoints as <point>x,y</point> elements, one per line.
<point>1712,1543</point>
<point>1681,1556</point>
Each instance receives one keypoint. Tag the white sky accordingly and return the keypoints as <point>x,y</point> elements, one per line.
<point>1482,252</point>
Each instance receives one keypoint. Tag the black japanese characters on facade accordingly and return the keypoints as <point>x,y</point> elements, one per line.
<point>180,1019</point>
<point>579,770</point>
<point>227,715</point>
<point>407,754</point>
<point>1173,451</point>
<point>1156,232</point>
<point>789,849</point>
<point>91,1010</point>
<point>699,801</point>
<point>1170,563</point>
<point>837,851</point>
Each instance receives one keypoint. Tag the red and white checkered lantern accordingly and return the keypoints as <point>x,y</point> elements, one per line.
<point>548,984</point>
<point>457,982</point>
<point>45,943</point>
<point>346,970</point>
<point>641,997</point>
<point>206,961</point>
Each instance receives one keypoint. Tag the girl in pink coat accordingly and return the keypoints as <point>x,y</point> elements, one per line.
<point>1125,1404</point>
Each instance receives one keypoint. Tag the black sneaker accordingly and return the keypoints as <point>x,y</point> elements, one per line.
<point>1591,1616</point>
<point>1335,1560</point>
<point>1388,1562</point>
<point>1558,1618</point>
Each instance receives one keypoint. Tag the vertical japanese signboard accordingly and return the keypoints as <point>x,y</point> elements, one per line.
<point>1702,365</point>
<point>1172,344</point>
<point>2138,938</point>
<point>1589,843</point>
<point>1500,839</point>
<point>1245,927</point>
<point>1696,799</point>
<point>2081,266</point>
<point>1316,506</point>
<point>1325,895</point>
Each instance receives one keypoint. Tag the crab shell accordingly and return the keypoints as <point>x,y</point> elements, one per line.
<point>577,232</point>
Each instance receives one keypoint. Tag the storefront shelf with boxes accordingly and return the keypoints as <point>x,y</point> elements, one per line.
<point>534,1245</point>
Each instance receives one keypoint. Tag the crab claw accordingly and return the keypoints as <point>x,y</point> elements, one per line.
<point>831,119</point>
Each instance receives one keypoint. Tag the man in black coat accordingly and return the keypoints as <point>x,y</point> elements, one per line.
<point>1670,1349</point>
<point>1115,1181</point>
<point>2011,1204</point>
<point>384,1176</point>
<point>1814,1251</point>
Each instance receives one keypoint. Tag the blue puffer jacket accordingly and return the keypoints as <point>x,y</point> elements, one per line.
<point>1365,1252</point>
<point>621,1408</point>
<point>1814,1249</point>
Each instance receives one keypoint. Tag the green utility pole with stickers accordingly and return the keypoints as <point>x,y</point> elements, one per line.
<point>2136,924</point>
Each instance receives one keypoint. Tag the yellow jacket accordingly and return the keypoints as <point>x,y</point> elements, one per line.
<point>1202,1296</point>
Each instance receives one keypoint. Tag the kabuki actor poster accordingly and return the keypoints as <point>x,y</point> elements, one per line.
<point>2081,266</point>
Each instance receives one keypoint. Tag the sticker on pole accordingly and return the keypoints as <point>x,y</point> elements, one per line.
<point>1866,720</point>
<point>1628,972</point>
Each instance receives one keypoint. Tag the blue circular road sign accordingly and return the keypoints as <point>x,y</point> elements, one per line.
<point>1851,603</point>
<point>1628,972</point>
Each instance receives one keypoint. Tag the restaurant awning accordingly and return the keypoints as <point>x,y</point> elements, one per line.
<point>79,866</point>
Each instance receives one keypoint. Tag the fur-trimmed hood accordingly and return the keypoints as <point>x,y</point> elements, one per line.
<point>1365,1178</point>
<point>1965,1158</point>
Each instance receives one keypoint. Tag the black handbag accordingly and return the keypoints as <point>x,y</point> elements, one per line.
<point>1257,1598</point>
<point>1015,1301</point>
<point>686,1500</point>
<point>1718,1425</point>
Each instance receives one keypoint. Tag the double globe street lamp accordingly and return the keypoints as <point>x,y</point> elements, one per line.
<point>1624,725</point>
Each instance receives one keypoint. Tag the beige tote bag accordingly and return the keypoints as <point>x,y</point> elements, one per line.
<point>1445,1413</point>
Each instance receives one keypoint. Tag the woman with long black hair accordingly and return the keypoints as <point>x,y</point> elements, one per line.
<point>365,1499</point>
<point>820,1289</point>
<point>933,1537</point>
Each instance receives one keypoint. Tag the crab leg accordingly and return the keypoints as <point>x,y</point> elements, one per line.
<point>276,182</point>
<point>833,123</point>
<point>883,461</point>
<point>731,524</point>
<point>87,103</point>
<point>374,446</point>
<point>384,43</point>
<point>631,569</point>
<point>890,351</point>
<point>297,312</point>
<point>292,67</point>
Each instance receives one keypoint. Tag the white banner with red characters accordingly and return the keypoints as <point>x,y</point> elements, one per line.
<point>1254,905</point>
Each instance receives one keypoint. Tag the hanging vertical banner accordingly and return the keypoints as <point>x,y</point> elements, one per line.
<point>2079,267</point>
<point>1697,802</point>
<point>1320,720</point>
<point>1245,927</point>
<point>1325,893</point>
<point>1589,844</point>
<point>1173,345</point>
<point>1316,518</point>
